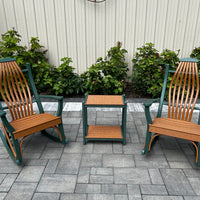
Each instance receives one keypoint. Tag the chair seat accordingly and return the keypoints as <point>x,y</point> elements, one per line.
<point>34,123</point>
<point>176,128</point>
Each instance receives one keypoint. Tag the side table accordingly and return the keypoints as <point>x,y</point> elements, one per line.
<point>104,132</point>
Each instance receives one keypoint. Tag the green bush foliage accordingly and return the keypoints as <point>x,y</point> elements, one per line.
<point>107,76</point>
<point>66,81</point>
<point>47,77</point>
<point>149,69</point>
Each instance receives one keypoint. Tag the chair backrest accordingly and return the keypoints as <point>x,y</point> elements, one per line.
<point>183,91</point>
<point>14,89</point>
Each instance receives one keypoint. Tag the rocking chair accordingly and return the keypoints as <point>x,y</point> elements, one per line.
<point>183,94</point>
<point>15,92</point>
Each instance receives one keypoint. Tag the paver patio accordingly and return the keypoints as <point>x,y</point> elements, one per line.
<point>101,170</point>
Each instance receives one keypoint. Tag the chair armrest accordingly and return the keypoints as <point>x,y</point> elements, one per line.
<point>60,102</point>
<point>147,105</point>
<point>59,98</point>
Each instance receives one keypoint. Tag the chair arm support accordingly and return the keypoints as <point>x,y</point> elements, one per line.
<point>5,121</point>
<point>2,113</point>
<point>147,105</point>
<point>60,102</point>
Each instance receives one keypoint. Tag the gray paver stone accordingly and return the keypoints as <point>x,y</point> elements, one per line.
<point>30,174</point>
<point>83,175</point>
<point>57,183</point>
<point>100,197</point>
<point>52,153</point>
<point>103,148</point>
<point>101,179</point>
<point>91,160</point>
<point>101,171</point>
<point>156,177</point>
<point>176,182</point>
<point>162,197</point>
<point>21,191</point>
<point>195,182</point>
<point>88,188</point>
<point>46,196</point>
<point>153,189</point>
<point>131,176</point>
<point>7,182</point>
<point>73,197</point>
<point>69,164</point>
<point>114,189</point>
<point>121,197</point>
<point>111,160</point>
<point>51,166</point>
<point>134,191</point>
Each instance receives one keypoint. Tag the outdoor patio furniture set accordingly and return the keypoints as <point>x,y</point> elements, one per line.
<point>15,91</point>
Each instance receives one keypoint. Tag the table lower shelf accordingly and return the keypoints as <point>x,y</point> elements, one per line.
<point>106,132</point>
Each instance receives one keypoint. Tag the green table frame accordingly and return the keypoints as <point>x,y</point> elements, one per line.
<point>122,127</point>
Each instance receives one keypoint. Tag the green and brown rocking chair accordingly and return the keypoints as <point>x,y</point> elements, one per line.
<point>183,94</point>
<point>17,95</point>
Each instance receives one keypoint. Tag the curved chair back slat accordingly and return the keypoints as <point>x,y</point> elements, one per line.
<point>15,91</point>
<point>183,91</point>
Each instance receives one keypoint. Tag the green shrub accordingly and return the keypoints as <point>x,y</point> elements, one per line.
<point>149,69</point>
<point>47,77</point>
<point>107,76</point>
<point>66,81</point>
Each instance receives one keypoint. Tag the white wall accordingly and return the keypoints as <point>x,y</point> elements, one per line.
<point>84,31</point>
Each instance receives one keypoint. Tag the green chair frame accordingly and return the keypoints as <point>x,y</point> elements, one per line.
<point>12,144</point>
<point>176,107</point>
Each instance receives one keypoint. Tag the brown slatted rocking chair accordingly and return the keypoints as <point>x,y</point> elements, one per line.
<point>16,94</point>
<point>183,94</point>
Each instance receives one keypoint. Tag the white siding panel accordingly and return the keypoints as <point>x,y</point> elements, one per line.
<point>3,25</point>
<point>181,26</point>
<point>41,23</point>
<point>196,39</point>
<point>51,32</point>
<point>160,24</point>
<point>84,30</point>
<point>21,21</point>
<point>140,22</point>
<point>10,14</point>
<point>100,30</point>
<point>170,26</point>
<point>151,20</point>
<point>30,18</point>
<point>90,33</point>
<point>120,20</point>
<point>80,34</point>
<point>70,18</point>
<point>110,24</point>
<point>129,42</point>
<point>190,27</point>
<point>61,29</point>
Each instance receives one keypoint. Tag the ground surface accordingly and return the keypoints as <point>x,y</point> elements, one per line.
<point>101,170</point>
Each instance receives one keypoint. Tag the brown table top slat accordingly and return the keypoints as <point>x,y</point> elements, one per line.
<point>105,100</point>
<point>107,132</point>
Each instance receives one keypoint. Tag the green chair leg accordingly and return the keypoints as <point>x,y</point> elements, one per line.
<point>198,158</point>
<point>57,139</point>
<point>64,140</point>
<point>16,147</point>
<point>146,145</point>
